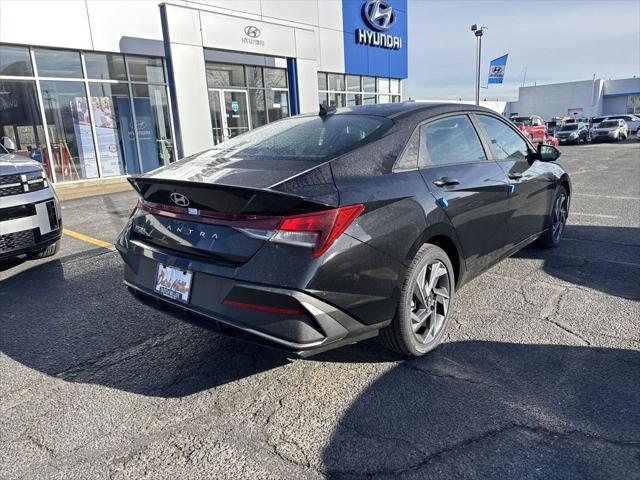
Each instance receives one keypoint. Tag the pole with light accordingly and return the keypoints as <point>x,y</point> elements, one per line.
<point>478,32</point>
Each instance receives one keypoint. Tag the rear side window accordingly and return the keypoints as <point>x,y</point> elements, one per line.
<point>305,138</point>
<point>450,140</point>
<point>505,143</point>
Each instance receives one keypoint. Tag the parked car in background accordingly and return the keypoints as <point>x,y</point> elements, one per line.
<point>610,130</point>
<point>551,140</point>
<point>638,134</point>
<point>632,121</point>
<point>533,128</point>
<point>552,126</point>
<point>30,222</point>
<point>317,231</point>
<point>573,133</point>
<point>595,121</point>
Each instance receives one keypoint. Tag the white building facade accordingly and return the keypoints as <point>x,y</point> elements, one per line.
<point>588,98</point>
<point>107,88</point>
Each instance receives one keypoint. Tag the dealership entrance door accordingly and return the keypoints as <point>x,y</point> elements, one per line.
<point>229,113</point>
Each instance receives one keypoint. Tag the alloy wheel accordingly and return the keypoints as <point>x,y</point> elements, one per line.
<point>560,212</point>
<point>430,301</point>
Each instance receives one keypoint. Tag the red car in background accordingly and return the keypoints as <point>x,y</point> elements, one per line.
<point>533,127</point>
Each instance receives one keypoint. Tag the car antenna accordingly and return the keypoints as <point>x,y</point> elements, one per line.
<point>324,111</point>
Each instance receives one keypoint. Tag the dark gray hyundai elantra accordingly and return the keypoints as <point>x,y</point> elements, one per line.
<point>322,230</point>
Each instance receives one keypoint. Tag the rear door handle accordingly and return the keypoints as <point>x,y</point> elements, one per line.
<point>515,176</point>
<point>445,182</point>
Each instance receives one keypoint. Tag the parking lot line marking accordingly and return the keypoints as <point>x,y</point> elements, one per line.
<point>606,196</point>
<point>88,239</point>
<point>598,215</point>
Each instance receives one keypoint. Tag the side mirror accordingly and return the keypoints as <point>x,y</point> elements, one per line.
<point>8,144</point>
<point>548,153</point>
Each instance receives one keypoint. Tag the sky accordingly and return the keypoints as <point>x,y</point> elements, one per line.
<point>555,40</point>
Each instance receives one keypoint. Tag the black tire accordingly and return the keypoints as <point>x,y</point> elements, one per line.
<point>556,221</point>
<point>46,252</point>
<point>399,335</point>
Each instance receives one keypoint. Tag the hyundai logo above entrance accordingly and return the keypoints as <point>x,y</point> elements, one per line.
<point>179,199</point>
<point>251,31</point>
<point>379,14</point>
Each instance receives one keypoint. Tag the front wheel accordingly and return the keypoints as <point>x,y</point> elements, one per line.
<point>425,304</point>
<point>46,252</point>
<point>557,220</point>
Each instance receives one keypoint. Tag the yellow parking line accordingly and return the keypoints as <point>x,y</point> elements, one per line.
<point>88,239</point>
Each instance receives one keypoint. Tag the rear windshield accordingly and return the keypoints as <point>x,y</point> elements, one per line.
<point>571,126</point>
<point>609,124</point>
<point>597,119</point>
<point>305,138</point>
<point>521,120</point>
<point>552,123</point>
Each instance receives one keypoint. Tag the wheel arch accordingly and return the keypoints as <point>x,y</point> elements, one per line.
<point>444,236</point>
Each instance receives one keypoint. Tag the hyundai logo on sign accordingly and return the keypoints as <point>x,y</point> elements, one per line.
<point>380,16</point>
<point>179,199</point>
<point>251,31</point>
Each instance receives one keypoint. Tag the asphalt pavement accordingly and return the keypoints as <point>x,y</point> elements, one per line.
<point>539,377</point>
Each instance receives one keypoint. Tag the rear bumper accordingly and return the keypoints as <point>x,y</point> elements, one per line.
<point>310,325</point>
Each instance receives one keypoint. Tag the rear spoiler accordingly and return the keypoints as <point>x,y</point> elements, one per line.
<point>217,197</point>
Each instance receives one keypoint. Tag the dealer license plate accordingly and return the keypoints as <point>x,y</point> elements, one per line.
<point>173,282</point>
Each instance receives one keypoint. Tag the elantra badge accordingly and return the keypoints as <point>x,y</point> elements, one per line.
<point>179,199</point>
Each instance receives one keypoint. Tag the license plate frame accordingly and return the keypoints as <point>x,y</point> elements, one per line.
<point>174,283</point>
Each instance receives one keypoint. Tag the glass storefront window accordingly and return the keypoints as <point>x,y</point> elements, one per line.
<point>58,63</point>
<point>257,107</point>
<point>368,99</point>
<point>20,119</point>
<point>277,104</point>
<point>15,61</point>
<point>113,120</point>
<point>275,78</point>
<point>322,81</point>
<point>105,66</point>
<point>254,76</point>
<point>384,98</point>
<point>337,100</point>
<point>336,81</point>
<point>323,99</point>
<point>354,99</point>
<point>67,112</point>
<point>353,83</point>
<point>395,85</point>
<point>396,99</point>
<point>224,75</point>
<point>368,84</point>
<point>153,125</point>
<point>145,69</point>
<point>383,85</point>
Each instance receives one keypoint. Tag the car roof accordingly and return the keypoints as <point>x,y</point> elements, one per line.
<point>423,109</point>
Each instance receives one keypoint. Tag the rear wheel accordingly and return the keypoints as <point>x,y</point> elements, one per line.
<point>425,304</point>
<point>46,252</point>
<point>557,220</point>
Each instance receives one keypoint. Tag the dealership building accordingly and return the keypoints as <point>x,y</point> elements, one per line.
<point>100,89</point>
<point>582,99</point>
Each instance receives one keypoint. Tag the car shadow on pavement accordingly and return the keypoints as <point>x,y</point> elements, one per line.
<point>73,319</point>
<point>602,258</point>
<point>480,409</point>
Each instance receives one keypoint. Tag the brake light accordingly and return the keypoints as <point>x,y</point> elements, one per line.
<point>318,230</point>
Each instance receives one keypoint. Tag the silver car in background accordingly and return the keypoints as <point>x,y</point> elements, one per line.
<point>610,130</point>
<point>30,220</point>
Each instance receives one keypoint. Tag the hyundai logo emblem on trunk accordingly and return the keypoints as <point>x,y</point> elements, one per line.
<point>179,199</point>
<point>379,14</point>
<point>251,31</point>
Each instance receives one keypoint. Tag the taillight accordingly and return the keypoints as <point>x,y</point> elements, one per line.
<point>317,230</point>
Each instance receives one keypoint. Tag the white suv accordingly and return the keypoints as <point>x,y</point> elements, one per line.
<point>30,221</point>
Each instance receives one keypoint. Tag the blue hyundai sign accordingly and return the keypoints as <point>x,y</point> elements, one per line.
<point>497,68</point>
<point>375,37</point>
